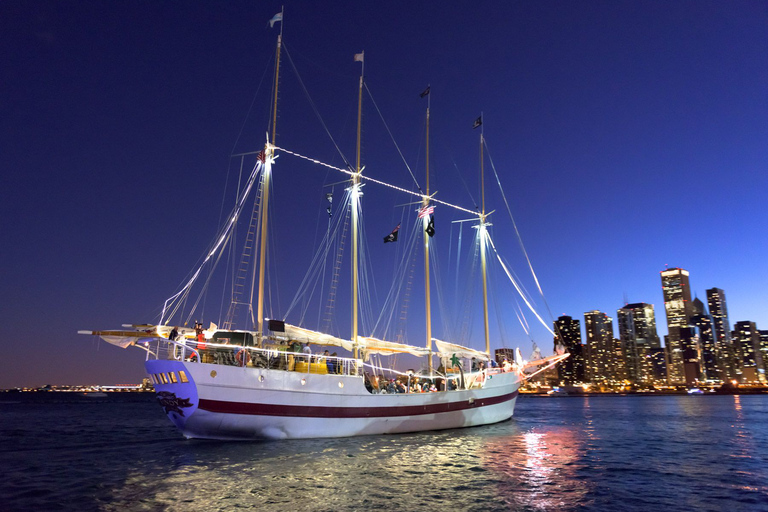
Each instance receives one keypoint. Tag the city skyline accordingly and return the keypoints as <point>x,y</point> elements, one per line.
<point>699,349</point>
<point>627,121</point>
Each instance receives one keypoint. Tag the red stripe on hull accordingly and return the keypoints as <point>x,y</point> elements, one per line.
<point>307,411</point>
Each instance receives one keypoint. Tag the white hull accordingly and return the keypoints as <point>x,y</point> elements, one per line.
<point>229,402</point>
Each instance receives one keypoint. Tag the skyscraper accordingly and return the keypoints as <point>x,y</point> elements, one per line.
<point>724,350</point>
<point>746,338</point>
<point>637,331</point>
<point>677,296</point>
<point>571,370</point>
<point>707,354</point>
<point>600,347</point>
<point>677,304</point>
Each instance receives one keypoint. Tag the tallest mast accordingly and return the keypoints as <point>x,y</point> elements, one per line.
<point>483,241</point>
<point>426,245</point>
<point>268,157</point>
<point>359,57</point>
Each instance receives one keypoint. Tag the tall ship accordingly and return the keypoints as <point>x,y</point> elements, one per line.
<point>253,377</point>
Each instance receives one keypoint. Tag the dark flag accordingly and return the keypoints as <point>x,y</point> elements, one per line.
<point>430,230</point>
<point>425,93</point>
<point>329,197</point>
<point>477,122</point>
<point>262,156</point>
<point>392,237</point>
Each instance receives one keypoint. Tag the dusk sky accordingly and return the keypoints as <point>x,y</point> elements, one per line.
<point>628,136</point>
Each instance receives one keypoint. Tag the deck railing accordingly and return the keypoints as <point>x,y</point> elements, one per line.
<point>273,357</point>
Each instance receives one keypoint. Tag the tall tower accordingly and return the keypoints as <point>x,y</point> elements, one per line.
<point>677,296</point>
<point>710,368</point>
<point>747,338</point>
<point>724,350</point>
<point>600,354</point>
<point>677,304</point>
<point>571,370</point>
<point>637,330</point>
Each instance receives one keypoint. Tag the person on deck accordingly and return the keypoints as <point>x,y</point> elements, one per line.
<point>328,362</point>
<point>294,348</point>
<point>335,364</point>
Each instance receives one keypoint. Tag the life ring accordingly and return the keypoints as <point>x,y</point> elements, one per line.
<point>243,357</point>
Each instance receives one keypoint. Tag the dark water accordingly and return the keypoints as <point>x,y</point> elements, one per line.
<point>65,452</point>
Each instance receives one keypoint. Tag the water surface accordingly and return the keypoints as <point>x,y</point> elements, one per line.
<point>62,451</point>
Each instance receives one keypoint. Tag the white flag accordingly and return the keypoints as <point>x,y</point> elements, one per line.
<point>359,57</point>
<point>277,17</point>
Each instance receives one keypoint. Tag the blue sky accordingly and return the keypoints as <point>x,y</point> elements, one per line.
<point>628,136</point>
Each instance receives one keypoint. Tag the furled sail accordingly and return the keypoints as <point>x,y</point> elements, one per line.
<point>318,338</point>
<point>388,348</point>
<point>450,349</point>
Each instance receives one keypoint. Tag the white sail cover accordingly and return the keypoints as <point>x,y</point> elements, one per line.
<point>388,348</point>
<point>449,349</point>
<point>122,339</point>
<point>318,338</point>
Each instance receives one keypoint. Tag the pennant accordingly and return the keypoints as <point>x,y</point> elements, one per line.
<point>262,156</point>
<point>359,56</point>
<point>425,93</point>
<point>430,230</point>
<point>277,17</point>
<point>477,122</point>
<point>427,210</point>
<point>392,237</point>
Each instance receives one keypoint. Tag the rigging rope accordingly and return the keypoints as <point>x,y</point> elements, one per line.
<point>517,232</point>
<point>314,108</point>
<point>392,137</point>
<point>378,182</point>
<point>517,287</point>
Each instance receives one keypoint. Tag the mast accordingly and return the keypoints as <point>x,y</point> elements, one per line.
<point>426,251</point>
<point>483,244</point>
<point>268,157</point>
<point>355,202</point>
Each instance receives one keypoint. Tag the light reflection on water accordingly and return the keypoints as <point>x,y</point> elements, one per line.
<point>539,469</point>
<point>598,453</point>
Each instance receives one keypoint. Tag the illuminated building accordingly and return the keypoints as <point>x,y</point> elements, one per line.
<point>658,363</point>
<point>600,347</point>
<point>677,304</point>
<point>689,348</point>
<point>764,349</point>
<point>746,338</point>
<point>637,331</point>
<point>724,349</point>
<point>710,370</point>
<point>573,369</point>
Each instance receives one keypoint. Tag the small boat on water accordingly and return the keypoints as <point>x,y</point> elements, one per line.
<point>270,382</point>
<point>95,394</point>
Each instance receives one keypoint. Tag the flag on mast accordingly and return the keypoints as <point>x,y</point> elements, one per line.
<point>430,229</point>
<point>392,237</point>
<point>425,93</point>
<point>359,56</point>
<point>477,122</point>
<point>277,17</point>
<point>427,210</point>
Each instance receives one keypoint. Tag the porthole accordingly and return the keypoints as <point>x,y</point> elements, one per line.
<point>261,378</point>
<point>341,384</point>
<point>303,382</point>
<point>213,373</point>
